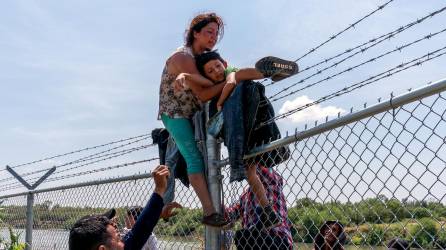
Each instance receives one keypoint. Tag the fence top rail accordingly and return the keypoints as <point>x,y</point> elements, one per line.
<point>83,184</point>
<point>392,103</point>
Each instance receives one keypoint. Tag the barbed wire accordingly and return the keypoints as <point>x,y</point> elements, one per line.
<point>397,49</point>
<point>88,172</point>
<point>102,169</point>
<point>401,67</point>
<point>344,30</point>
<point>86,158</point>
<point>373,42</point>
<point>89,158</point>
<point>81,150</point>
<point>114,155</point>
<point>111,157</point>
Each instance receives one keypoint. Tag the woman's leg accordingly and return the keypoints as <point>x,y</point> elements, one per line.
<point>200,186</point>
<point>183,134</point>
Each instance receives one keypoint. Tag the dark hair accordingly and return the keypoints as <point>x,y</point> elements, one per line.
<point>198,22</point>
<point>398,244</point>
<point>319,240</point>
<point>134,212</point>
<point>89,232</point>
<point>204,58</point>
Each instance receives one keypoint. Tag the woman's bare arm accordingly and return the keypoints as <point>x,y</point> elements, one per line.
<point>183,63</point>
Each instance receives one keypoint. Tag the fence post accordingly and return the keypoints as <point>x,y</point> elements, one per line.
<point>29,220</point>
<point>212,235</point>
<point>29,202</point>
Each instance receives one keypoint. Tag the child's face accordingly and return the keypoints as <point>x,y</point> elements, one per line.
<point>215,70</point>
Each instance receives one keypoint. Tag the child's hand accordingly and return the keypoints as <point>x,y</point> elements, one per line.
<point>168,212</point>
<point>219,106</point>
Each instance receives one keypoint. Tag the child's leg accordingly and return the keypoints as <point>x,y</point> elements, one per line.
<point>269,217</point>
<point>256,185</point>
<point>182,132</point>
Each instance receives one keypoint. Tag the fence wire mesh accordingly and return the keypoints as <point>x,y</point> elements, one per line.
<point>377,179</point>
<point>56,211</point>
<point>372,180</point>
<point>12,215</point>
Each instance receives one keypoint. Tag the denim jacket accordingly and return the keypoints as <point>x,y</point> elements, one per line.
<point>242,114</point>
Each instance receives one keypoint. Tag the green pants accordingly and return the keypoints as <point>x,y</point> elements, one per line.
<point>182,132</point>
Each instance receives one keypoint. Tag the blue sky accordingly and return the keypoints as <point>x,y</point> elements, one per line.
<point>81,73</point>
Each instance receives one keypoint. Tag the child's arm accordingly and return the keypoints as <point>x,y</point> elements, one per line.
<point>241,75</point>
<point>248,74</point>
<point>227,89</point>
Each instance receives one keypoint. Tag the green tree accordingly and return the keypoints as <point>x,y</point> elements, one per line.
<point>423,233</point>
<point>441,238</point>
<point>375,236</point>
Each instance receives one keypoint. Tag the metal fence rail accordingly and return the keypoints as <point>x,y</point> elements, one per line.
<point>380,172</point>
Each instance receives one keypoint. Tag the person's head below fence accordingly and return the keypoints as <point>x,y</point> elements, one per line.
<point>204,31</point>
<point>398,244</point>
<point>99,232</point>
<point>95,232</point>
<point>91,231</point>
<point>331,236</point>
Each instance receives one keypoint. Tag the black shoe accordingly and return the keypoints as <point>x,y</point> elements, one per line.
<point>269,218</point>
<point>275,68</point>
<point>214,220</point>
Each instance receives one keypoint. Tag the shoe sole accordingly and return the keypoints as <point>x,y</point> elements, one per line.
<point>277,68</point>
<point>213,225</point>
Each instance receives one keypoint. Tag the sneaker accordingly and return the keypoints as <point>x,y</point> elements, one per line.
<point>269,217</point>
<point>214,220</point>
<point>275,68</point>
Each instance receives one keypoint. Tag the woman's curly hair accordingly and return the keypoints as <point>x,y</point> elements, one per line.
<point>200,21</point>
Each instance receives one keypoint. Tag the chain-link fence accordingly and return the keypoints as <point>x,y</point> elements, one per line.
<point>360,180</point>
<point>366,180</point>
<point>56,210</point>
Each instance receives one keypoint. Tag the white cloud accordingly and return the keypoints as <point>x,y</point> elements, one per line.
<point>312,113</point>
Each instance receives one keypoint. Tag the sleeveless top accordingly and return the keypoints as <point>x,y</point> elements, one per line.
<point>180,104</point>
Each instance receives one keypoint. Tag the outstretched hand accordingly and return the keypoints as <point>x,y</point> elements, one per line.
<point>160,176</point>
<point>129,221</point>
<point>168,212</point>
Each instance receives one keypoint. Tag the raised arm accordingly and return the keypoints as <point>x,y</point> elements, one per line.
<point>150,215</point>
